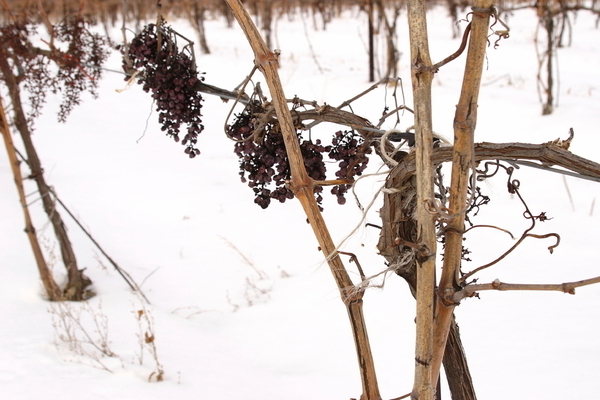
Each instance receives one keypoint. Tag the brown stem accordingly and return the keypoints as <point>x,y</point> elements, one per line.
<point>77,281</point>
<point>371,34</point>
<point>198,18</point>
<point>547,20</point>
<point>463,157</point>
<point>303,188</point>
<point>46,21</point>
<point>524,236</point>
<point>421,77</point>
<point>567,287</point>
<point>456,366</point>
<point>52,289</point>
<point>456,54</point>
<point>547,154</point>
<point>399,226</point>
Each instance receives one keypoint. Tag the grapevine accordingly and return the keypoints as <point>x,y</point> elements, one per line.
<point>170,75</point>
<point>351,151</point>
<point>264,164</point>
<point>78,63</point>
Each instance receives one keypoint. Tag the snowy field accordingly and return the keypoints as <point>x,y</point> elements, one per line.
<point>242,305</point>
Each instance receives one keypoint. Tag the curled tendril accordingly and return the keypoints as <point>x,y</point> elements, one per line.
<point>513,186</point>
<point>555,235</point>
<point>501,33</point>
<point>483,175</point>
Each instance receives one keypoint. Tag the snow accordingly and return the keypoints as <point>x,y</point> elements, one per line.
<point>242,305</point>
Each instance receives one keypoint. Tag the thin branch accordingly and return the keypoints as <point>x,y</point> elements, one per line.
<point>124,274</point>
<point>554,170</point>
<point>457,53</point>
<point>46,21</point>
<point>567,287</point>
<point>463,163</point>
<point>237,99</point>
<point>358,96</point>
<point>370,89</point>
<point>354,259</point>
<point>8,11</point>
<point>490,226</point>
<point>224,94</point>
<point>310,46</point>
<point>547,154</point>
<point>510,250</point>
<point>334,182</point>
<point>513,186</point>
<point>394,111</point>
<point>52,290</point>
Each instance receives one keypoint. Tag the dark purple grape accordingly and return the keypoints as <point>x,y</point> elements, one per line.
<point>170,76</point>
<point>350,150</point>
<point>264,164</point>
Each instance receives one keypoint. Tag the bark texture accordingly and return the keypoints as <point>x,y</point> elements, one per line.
<point>421,78</point>
<point>52,290</point>
<point>77,281</point>
<point>396,244</point>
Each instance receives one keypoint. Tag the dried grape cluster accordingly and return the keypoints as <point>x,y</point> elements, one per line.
<point>264,163</point>
<point>79,63</point>
<point>350,150</point>
<point>171,76</point>
<point>77,52</point>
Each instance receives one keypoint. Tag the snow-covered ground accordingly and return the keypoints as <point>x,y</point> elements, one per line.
<point>242,305</point>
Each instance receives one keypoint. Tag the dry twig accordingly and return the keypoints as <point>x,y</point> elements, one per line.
<point>566,287</point>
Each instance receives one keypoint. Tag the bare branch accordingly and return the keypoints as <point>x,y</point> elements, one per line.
<point>421,76</point>
<point>402,397</point>
<point>463,164</point>
<point>224,94</point>
<point>394,111</point>
<point>567,287</point>
<point>358,96</point>
<point>547,154</point>
<point>510,250</point>
<point>490,226</point>
<point>124,274</point>
<point>370,89</point>
<point>456,54</point>
<point>354,259</point>
<point>334,182</point>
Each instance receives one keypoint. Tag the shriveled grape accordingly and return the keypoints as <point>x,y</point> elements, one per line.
<point>350,150</point>
<point>264,163</point>
<point>170,75</point>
